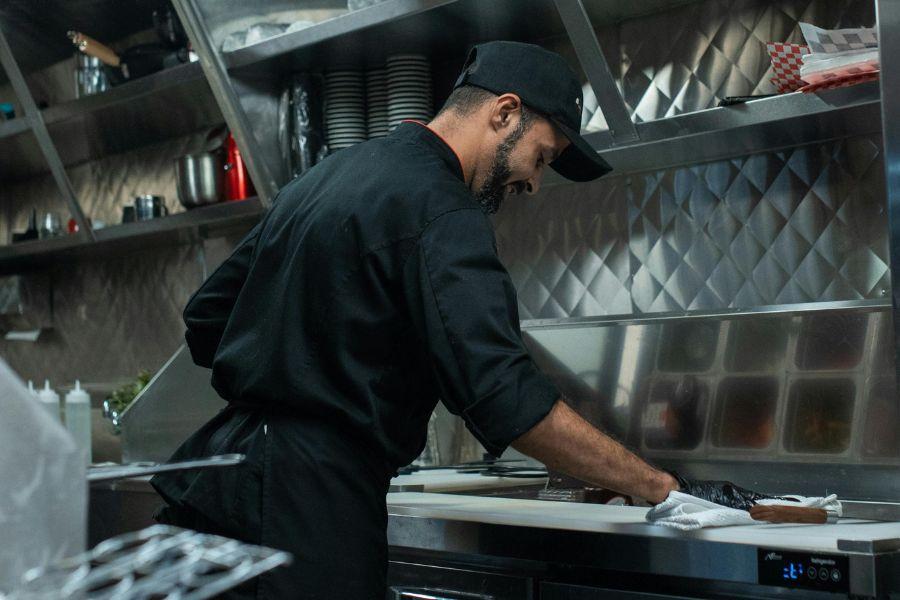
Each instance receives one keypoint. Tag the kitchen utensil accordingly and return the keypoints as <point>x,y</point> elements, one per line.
<point>92,47</point>
<point>870,511</point>
<point>134,62</point>
<point>200,178</point>
<point>476,464</point>
<point>238,185</point>
<point>31,233</point>
<point>90,78</point>
<point>51,226</point>
<point>148,207</point>
<point>106,473</point>
<point>734,100</point>
<point>776,513</point>
<point>303,123</point>
<point>510,472</point>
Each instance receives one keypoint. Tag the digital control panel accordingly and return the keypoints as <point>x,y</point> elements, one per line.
<point>824,572</point>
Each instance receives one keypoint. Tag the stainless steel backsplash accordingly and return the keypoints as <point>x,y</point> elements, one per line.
<point>803,224</point>
<point>799,225</point>
<point>750,398</point>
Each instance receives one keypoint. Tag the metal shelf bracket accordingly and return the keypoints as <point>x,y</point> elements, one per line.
<point>584,40</point>
<point>888,12</point>
<point>217,75</point>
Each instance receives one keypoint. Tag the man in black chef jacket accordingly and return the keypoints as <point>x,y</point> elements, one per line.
<point>369,290</point>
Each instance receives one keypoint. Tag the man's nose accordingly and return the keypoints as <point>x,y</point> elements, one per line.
<point>533,184</point>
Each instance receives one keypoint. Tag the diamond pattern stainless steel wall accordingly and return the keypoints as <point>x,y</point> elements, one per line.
<point>801,225</point>
<point>111,318</point>
<point>689,58</point>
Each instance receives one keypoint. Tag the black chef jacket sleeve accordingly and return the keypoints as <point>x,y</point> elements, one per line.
<point>208,310</point>
<point>465,312</point>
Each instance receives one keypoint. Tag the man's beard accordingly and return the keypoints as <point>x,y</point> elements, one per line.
<point>493,191</point>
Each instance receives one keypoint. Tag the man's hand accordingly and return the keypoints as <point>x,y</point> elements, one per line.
<point>565,442</point>
<point>720,492</point>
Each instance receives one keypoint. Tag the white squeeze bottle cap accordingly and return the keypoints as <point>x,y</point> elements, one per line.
<point>50,400</point>
<point>77,394</point>
<point>31,389</point>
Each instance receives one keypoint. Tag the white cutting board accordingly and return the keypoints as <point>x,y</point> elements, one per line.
<point>629,520</point>
<point>448,480</point>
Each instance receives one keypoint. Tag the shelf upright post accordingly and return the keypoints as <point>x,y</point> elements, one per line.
<point>584,40</point>
<point>888,12</point>
<point>45,142</point>
<point>217,75</point>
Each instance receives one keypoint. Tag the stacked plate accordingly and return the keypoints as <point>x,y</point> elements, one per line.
<point>345,109</point>
<point>409,89</point>
<point>377,103</point>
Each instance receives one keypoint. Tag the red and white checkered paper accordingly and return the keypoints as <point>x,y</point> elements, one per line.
<point>841,82</point>
<point>786,61</point>
<point>844,72</point>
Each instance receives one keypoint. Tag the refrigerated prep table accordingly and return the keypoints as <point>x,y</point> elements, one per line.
<point>452,546</point>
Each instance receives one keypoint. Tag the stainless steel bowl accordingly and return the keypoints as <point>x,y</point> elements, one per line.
<point>200,178</point>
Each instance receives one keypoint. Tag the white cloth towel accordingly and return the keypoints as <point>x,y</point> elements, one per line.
<point>686,512</point>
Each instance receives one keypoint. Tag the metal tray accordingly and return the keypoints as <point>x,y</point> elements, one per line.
<point>820,416</point>
<point>746,413</point>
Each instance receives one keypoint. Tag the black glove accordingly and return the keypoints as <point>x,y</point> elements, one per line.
<point>721,492</point>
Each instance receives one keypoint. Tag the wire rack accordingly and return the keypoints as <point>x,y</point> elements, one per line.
<point>159,562</point>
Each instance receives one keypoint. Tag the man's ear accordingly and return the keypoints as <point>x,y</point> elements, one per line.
<point>505,109</point>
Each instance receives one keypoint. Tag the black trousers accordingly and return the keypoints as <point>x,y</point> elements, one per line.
<point>305,489</point>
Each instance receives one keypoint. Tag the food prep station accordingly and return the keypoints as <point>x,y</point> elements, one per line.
<point>723,303</point>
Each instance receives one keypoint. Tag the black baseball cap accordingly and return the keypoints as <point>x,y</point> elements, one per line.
<point>546,84</point>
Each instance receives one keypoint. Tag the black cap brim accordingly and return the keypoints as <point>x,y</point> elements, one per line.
<point>579,162</point>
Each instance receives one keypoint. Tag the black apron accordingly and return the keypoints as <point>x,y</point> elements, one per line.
<point>305,489</point>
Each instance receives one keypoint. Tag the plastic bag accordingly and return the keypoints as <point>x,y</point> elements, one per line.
<point>43,497</point>
<point>723,493</point>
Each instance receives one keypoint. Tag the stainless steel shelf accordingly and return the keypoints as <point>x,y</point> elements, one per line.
<point>438,28</point>
<point>760,125</point>
<point>441,28</point>
<point>173,102</point>
<point>444,29</point>
<point>183,227</point>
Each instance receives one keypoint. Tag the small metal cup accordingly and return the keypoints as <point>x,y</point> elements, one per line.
<point>89,76</point>
<point>148,207</point>
<point>51,226</point>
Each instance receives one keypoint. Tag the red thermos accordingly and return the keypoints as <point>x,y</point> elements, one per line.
<point>237,182</point>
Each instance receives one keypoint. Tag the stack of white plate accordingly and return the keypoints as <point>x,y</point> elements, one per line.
<point>345,109</point>
<point>409,89</point>
<point>377,103</point>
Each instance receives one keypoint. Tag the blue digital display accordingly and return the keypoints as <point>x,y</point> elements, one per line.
<point>793,571</point>
<point>823,572</point>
